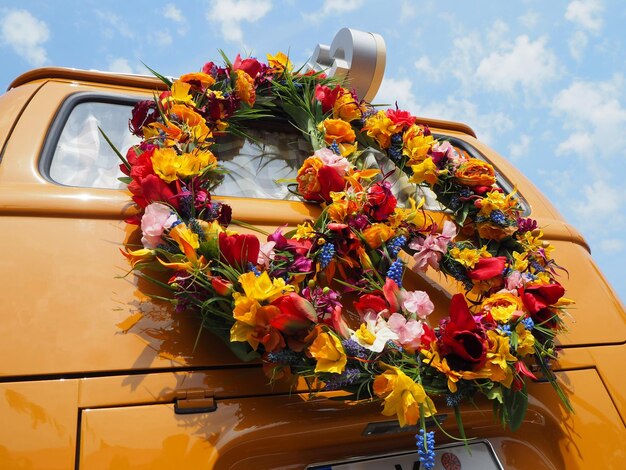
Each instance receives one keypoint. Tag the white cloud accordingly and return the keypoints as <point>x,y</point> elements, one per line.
<point>529,64</point>
<point>161,38</point>
<point>586,14</point>
<point>171,12</point>
<point>116,25</point>
<point>453,109</point>
<point>334,7</point>
<point>427,69</point>
<point>229,14</point>
<point>120,65</point>
<point>596,117</point>
<point>600,203</point>
<point>397,89</point>
<point>408,10</point>
<point>612,245</point>
<point>519,149</point>
<point>577,44</point>
<point>26,35</point>
<point>529,19</point>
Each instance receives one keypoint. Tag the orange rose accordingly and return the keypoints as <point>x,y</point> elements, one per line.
<point>490,231</point>
<point>346,107</point>
<point>337,130</point>
<point>476,173</point>
<point>244,86</point>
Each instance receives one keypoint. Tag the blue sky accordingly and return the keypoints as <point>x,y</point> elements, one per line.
<point>542,82</point>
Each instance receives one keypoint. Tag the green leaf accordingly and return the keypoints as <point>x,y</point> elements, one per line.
<point>164,79</point>
<point>114,148</point>
<point>515,404</point>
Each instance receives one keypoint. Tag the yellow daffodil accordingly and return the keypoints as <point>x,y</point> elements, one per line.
<point>329,353</point>
<point>468,257</point>
<point>402,396</point>
<point>263,288</point>
<point>304,231</point>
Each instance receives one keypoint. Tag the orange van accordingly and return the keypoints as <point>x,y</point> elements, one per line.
<point>96,375</point>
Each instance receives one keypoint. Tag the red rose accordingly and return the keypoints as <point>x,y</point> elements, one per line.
<point>239,250</point>
<point>381,203</point>
<point>487,268</point>
<point>330,181</point>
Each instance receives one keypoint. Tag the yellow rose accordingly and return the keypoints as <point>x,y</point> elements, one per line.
<point>244,86</point>
<point>329,353</point>
<point>502,306</point>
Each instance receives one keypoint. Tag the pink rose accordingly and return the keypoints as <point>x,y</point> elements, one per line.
<point>418,303</point>
<point>156,219</point>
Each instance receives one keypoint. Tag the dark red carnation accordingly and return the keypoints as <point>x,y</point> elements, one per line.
<point>401,118</point>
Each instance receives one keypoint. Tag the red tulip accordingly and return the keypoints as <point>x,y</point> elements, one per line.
<point>239,250</point>
<point>487,268</point>
<point>538,297</point>
<point>296,314</point>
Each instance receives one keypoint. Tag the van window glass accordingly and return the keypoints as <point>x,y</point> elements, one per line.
<point>82,156</point>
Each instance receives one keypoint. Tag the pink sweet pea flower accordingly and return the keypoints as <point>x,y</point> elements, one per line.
<point>156,219</point>
<point>432,248</point>
<point>418,303</point>
<point>409,331</point>
<point>266,253</point>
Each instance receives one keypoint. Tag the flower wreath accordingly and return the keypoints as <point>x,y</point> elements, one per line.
<point>326,301</point>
